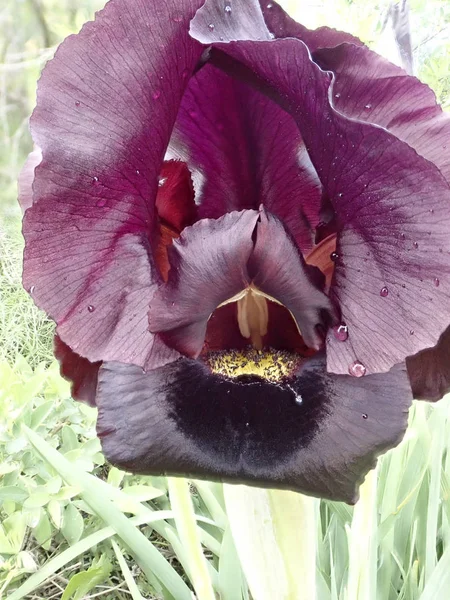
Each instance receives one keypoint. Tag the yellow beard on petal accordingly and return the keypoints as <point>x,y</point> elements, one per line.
<point>272,365</point>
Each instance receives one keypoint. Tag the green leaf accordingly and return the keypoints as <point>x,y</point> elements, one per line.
<point>43,531</point>
<point>83,582</point>
<point>14,493</point>
<point>72,524</point>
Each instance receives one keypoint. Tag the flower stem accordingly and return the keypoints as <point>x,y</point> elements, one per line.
<point>275,535</point>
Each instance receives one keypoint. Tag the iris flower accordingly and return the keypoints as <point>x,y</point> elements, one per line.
<point>241,228</point>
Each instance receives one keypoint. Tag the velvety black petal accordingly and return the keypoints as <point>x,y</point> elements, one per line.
<point>391,207</point>
<point>429,370</point>
<point>316,433</point>
<point>208,267</point>
<point>248,152</point>
<point>105,111</point>
<point>82,374</point>
<point>278,269</point>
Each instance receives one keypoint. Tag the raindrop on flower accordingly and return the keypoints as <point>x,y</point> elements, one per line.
<point>368,106</point>
<point>272,36</point>
<point>334,256</point>
<point>162,181</point>
<point>416,245</point>
<point>156,94</point>
<point>228,8</point>
<point>269,6</point>
<point>357,369</point>
<point>436,282</point>
<point>91,308</point>
<point>365,415</point>
<point>32,288</point>
<point>411,332</point>
<point>138,172</point>
<point>211,26</point>
<point>341,332</point>
<point>77,103</point>
<point>95,181</point>
<point>337,95</point>
<point>384,292</point>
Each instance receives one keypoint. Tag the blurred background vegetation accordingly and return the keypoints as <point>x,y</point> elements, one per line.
<point>44,515</point>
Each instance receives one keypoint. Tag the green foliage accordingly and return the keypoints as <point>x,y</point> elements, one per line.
<point>72,527</point>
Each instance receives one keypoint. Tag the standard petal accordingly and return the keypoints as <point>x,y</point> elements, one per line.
<point>208,267</point>
<point>248,152</point>
<point>429,370</point>
<point>369,88</point>
<point>26,178</point>
<point>318,435</point>
<point>106,107</point>
<point>391,205</point>
<point>82,374</point>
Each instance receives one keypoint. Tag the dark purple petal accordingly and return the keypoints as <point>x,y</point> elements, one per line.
<point>319,434</point>
<point>208,267</point>
<point>248,152</point>
<point>369,88</point>
<point>429,370</point>
<point>391,207</point>
<point>214,260</point>
<point>282,25</point>
<point>278,269</point>
<point>26,178</point>
<point>82,374</point>
<point>106,107</point>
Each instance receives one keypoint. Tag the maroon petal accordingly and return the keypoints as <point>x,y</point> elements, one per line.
<point>278,269</point>
<point>369,88</point>
<point>26,178</point>
<point>391,207</point>
<point>208,267</point>
<point>248,152</point>
<point>106,107</point>
<point>429,370</point>
<point>282,26</point>
<point>82,374</point>
<point>318,433</point>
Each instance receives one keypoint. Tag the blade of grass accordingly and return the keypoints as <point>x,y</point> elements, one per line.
<point>134,590</point>
<point>147,556</point>
<point>180,499</point>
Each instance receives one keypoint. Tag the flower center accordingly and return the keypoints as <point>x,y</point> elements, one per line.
<point>270,364</point>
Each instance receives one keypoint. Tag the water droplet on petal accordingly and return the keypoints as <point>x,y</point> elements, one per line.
<point>247,424</point>
<point>272,36</point>
<point>95,181</point>
<point>211,26</point>
<point>334,256</point>
<point>416,245</point>
<point>156,94</point>
<point>411,332</point>
<point>77,103</point>
<point>91,308</point>
<point>32,288</point>
<point>269,6</point>
<point>384,292</point>
<point>341,332</point>
<point>436,282</point>
<point>138,172</point>
<point>368,106</point>
<point>338,95</point>
<point>162,181</point>
<point>357,369</point>
<point>298,399</point>
<point>227,8</point>
<point>102,202</point>
<point>365,415</point>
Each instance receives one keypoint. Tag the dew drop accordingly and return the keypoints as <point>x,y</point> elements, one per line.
<point>411,332</point>
<point>337,95</point>
<point>341,332</point>
<point>101,203</point>
<point>95,181</point>
<point>162,181</point>
<point>436,282</point>
<point>365,415</point>
<point>334,256</point>
<point>272,36</point>
<point>77,103</point>
<point>228,8</point>
<point>368,106</point>
<point>416,245</point>
<point>32,288</point>
<point>156,94</point>
<point>340,195</point>
<point>138,172</point>
<point>384,292</point>
<point>247,424</point>
<point>357,369</point>
<point>269,6</point>
<point>211,26</point>
<point>91,308</point>
<point>298,399</point>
